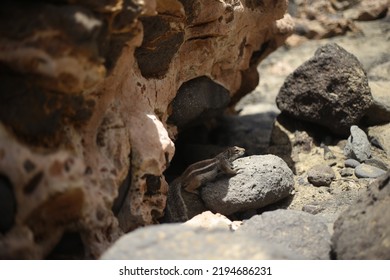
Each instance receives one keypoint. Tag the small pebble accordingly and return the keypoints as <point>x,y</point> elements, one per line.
<point>351,163</point>
<point>312,209</point>
<point>368,171</point>
<point>302,181</point>
<point>320,175</point>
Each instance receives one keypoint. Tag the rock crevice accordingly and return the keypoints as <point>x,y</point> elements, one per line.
<point>86,92</point>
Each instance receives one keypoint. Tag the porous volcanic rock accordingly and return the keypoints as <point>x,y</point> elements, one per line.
<point>262,180</point>
<point>330,89</point>
<point>86,89</point>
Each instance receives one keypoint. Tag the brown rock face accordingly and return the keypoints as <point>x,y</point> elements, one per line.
<point>85,94</point>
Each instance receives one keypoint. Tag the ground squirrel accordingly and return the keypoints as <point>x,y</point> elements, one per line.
<point>194,177</point>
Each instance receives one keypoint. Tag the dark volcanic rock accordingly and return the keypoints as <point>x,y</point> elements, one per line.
<point>330,89</point>
<point>300,232</point>
<point>262,180</point>
<point>363,231</point>
<point>184,242</point>
<point>199,98</point>
<point>321,175</point>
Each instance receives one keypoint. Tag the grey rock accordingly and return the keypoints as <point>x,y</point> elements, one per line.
<point>300,232</point>
<point>368,171</point>
<point>363,231</point>
<point>320,175</point>
<point>262,180</point>
<point>339,201</point>
<point>351,163</point>
<point>174,241</point>
<point>358,147</point>
<point>377,163</point>
<point>322,90</point>
<point>381,135</point>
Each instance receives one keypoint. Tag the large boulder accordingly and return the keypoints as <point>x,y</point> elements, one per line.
<point>330,89</point>
<point>261,181</point>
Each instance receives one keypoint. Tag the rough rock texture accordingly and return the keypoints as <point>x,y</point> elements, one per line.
<point>321,175</point>
<point>368,10</point>
<point>300,232</point>
<point>316,19</point>
<point>179,242</point>
<point>358,147</point>
<point>262,180</point>
<point>330,89</point>
<point>197,100</point>
<point>85,94</point>
<point>363,231</point>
